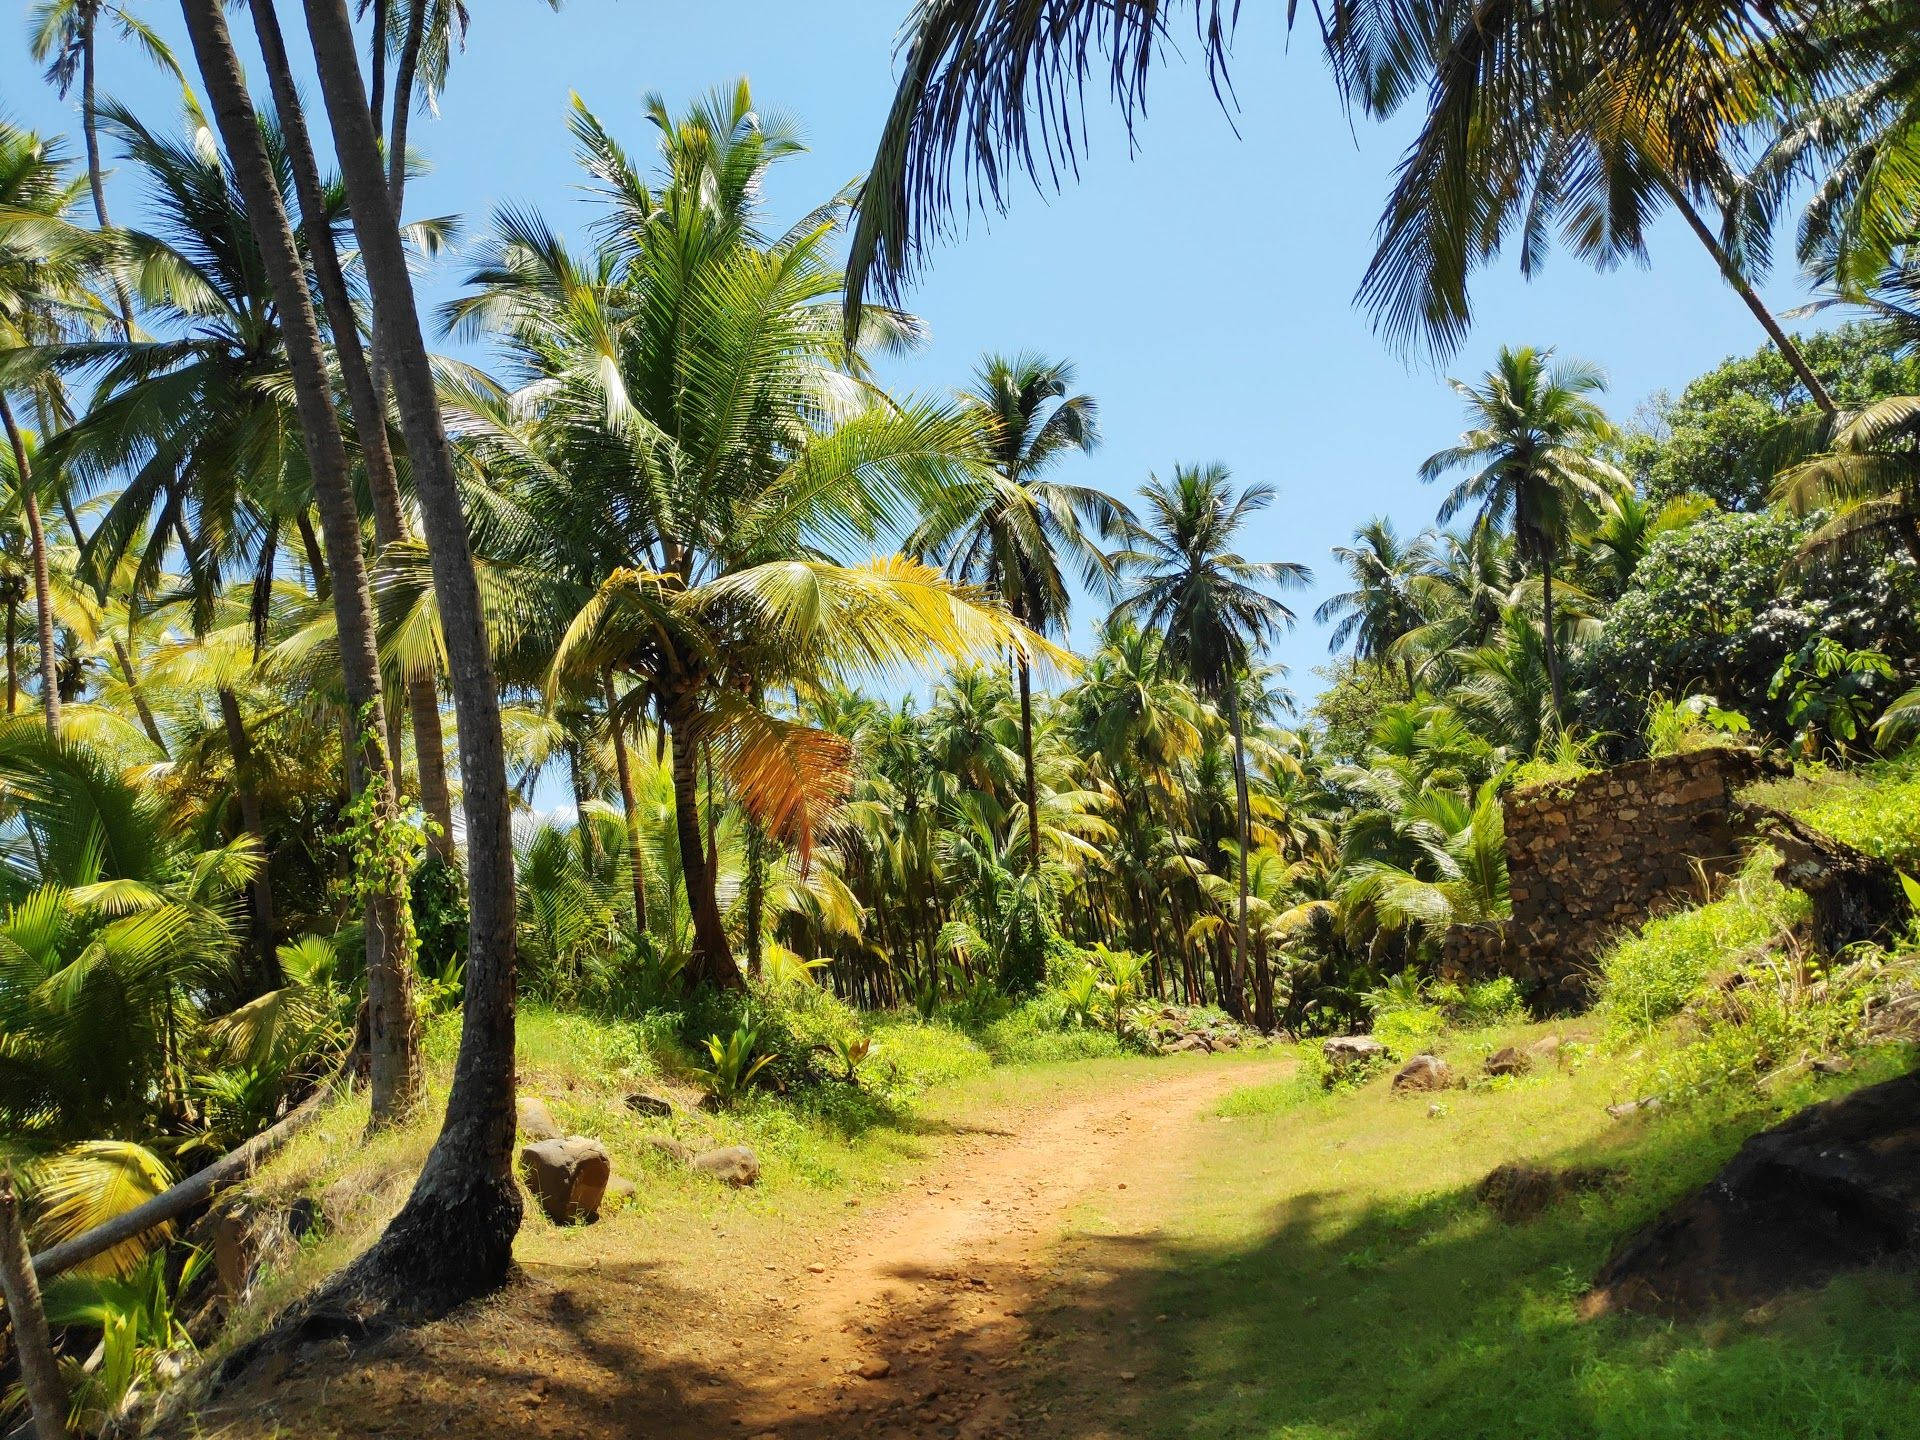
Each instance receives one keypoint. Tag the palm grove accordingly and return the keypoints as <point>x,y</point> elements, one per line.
<point>298,613</point>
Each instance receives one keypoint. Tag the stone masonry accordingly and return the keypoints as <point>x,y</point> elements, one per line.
<point>1589,858</point>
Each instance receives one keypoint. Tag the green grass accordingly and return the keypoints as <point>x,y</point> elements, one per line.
<point>1875,808</point>
<point>1334,1277</point>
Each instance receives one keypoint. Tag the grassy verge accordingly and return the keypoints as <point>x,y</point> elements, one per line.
<point>1336,1277</point>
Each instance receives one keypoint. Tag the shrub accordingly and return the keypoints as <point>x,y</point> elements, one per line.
<point>1476,1005</point>
<point>1409,1032</point>
<point>1876,810</point>
<point>1651,976</point>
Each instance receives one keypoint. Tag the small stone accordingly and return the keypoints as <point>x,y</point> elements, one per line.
<point>536,1122</point>
<point>1424,1072</point>
<point>816,1269</point>
<point>643,1103</point>
<point>621,1191</point>
<point>1509,1061</point>
<point>675,1152</point>
<point>1129,1376</point>
<point>735,1165</point>
<point>877,1368</point>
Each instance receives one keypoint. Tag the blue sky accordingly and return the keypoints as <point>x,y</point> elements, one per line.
<point>1202,280</point>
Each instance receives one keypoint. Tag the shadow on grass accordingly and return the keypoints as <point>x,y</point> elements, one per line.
<point>1415,1313</point>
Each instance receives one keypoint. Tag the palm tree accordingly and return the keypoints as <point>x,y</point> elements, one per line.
<point>393,1042</point>
<point>696,442</point>
<point>65,38</point>
<point>1383,607</point>
<point>44,261</point>
<point>1208,601</point>
<point>1530,444</point>
<point>1869,479</point>
<point>1014,539</point>
<point>456,1231</point>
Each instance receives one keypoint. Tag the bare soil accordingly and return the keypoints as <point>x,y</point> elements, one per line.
<point>959,1305</point>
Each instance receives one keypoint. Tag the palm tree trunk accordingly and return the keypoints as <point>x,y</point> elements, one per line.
<point>259,889</point>
<point>124,658</point>
<point>1552,640</point>
<point>1789,351</point>
<point>377,64</point>
<point>1243,811</point>
<point>403,81</point>
<point>1026,756</point>
<point>589,848</point>
<point>455,1233</point>
<point>712,962</point>
<point>32,1345</point>
<point>13,672</point>
<point>42,578</point>
<point>392,1037</point>
<point>96,174</point>
<point>369,414</point>
<point>623,768</point>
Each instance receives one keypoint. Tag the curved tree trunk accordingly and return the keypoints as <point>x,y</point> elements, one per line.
<point>712,962</point>
<point>1729,272</point>
<point>369,414</point>
<point>455,1233</point>
<point>13,670</point>
<point>42,578</point>
<point>32,1345</point>
<point>393,1041</point>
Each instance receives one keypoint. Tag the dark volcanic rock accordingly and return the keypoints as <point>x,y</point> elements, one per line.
<point>1834,1188</point>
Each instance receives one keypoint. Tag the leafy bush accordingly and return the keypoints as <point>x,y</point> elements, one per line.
<point>1478,1004</point>
<point>736,1061</point>
<point>1678,727</point>
<point>1409,1032</point>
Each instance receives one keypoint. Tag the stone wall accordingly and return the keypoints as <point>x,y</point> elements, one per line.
<point>1589,858</point>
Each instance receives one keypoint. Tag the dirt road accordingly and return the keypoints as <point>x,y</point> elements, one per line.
<point>940,1310</point>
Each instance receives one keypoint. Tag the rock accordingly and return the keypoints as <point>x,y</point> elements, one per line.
<point>1190,1044</point>
<point>236,1246</point>
<point>568,1177</point>
<point>1547,1047</point>
<point>1519,1191</point>
<point>535,1121</point>
<point>1834,1188</point>
<point>1833,1065</point>
<point>1634,1107</point>
<point>620,1190</point>
<point>1424,1072</point>
<point>731,1165</point>
<point>674,1152</point>
<point>643,1103</point>
<point>1351,1049</point>
<point>1508,1062</point>
<point>877,1368</point>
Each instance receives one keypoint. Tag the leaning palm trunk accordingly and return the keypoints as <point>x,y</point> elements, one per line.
<point>392,1039</point>
<point>369,414</point>
<point>455,1234</point>
<point>42,577</point>
<point>32,1346</point>
<point>1243,812</point>
<point>1552,641</point>
<point>712,962</point>
<point>623,768</point>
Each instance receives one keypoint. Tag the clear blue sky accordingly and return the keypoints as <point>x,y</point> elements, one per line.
<point>1203,282</point>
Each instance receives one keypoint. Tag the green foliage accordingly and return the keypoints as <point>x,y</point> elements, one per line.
<point>1876,809</point>
<point>439,893</point>
<point>1676,727</point>
<point>1479,1004</point>
<point>1652,975</point>
<point>1832,692</point>
<point>736,1061</point>
<point>1720,436</point>
<point>1404,1018</point>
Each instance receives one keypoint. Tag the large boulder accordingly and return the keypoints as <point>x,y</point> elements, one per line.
<point>568,1177</point>
<point>731,1165</point>
<point>535,1122</point>
<point>1834,1188</point>
<point>1424,1072</point>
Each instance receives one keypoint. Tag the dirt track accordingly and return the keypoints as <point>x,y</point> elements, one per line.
<point>936,1311</point>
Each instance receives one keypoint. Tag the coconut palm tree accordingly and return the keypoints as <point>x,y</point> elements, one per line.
<point>1531,447</point>
<point>260,186</point>
<point>455,1232</point>
<point>45,261</point>
<point>700,441</point>
<point>1024,529</point>
<point>1869,479</point>
<point>1210,604</point>
<point>64,36</point>
<point>1383,606</point>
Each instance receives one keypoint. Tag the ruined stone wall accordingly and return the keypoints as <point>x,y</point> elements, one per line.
<point>1589,858</point>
